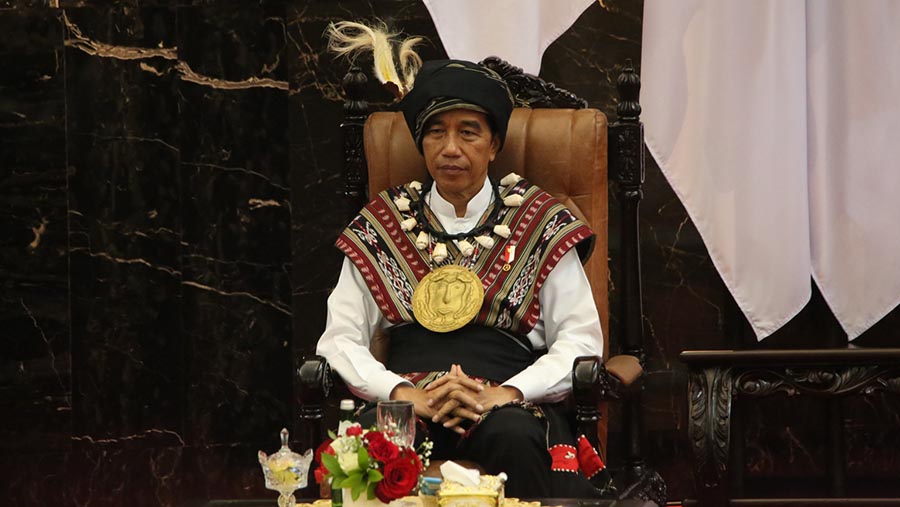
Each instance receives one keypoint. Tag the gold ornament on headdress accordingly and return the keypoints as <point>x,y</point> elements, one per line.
<point>349,39</point>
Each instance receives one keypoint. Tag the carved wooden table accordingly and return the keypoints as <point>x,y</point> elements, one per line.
<point>545,502</point>
<point>717,377</point>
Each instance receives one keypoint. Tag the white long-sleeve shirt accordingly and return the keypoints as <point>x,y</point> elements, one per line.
<point>569,325</point>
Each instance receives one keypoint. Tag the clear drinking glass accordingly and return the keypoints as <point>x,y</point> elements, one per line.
<point>397,419</point>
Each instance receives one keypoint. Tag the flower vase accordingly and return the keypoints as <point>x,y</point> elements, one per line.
<point>362,501</point>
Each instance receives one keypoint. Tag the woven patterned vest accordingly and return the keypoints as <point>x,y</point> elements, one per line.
<point>542,230</point>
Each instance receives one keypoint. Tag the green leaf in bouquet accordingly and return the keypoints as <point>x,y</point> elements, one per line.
<point>363,456</point>
<point>352,482</point>
<point>332,435</point>
<point>370,491</point>
<point>353,479</point>
<point>332,465</point>
<point>375,476</point>
<point>358,489</point>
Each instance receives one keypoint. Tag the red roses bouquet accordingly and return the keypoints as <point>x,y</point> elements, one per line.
<point>368,461</point>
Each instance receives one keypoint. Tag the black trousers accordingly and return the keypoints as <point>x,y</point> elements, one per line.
<point>511,440</point>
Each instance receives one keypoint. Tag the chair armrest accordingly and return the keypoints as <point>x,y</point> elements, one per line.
<point>627,369</point>
<point>315,379</point>
<point>593,381</point>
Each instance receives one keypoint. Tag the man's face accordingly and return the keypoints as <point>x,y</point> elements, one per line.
<point>458,145</point>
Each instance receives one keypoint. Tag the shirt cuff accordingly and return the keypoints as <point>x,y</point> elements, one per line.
<point>384,382</point>
<point>533,391</point>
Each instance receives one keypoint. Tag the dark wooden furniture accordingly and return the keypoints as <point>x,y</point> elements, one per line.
<point>720,378</point>
<point>548,502</point>
<point>805,502</point>
<point>594,381</point>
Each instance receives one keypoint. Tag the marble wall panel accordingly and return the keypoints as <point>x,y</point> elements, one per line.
<point>124,222</point>
<point>35,477</point>
<point>226,471</point>
<point>33,257</point>
<point>236,211</point>
<point>141,470</point>
<point>125,255</point>
<point>35,358</point>
<point>872,436</point>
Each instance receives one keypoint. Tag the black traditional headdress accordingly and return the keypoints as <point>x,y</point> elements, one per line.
<point>442,85</point>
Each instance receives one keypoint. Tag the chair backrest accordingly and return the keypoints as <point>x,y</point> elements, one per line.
<point>562,151</point>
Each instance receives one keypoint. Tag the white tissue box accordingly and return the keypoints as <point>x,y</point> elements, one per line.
<point>489,493</point>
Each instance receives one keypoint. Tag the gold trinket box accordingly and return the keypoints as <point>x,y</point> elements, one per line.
<point>488,493</point>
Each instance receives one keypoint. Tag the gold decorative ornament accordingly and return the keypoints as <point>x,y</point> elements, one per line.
<point>447,299</point>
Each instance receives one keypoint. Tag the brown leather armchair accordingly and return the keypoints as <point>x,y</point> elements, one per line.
<point>561,150</point>
<point>564,151</point>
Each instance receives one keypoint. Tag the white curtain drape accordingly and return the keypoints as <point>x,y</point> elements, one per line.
<point>774,121</point>
<point>853,71</point>
<point>516,30</point>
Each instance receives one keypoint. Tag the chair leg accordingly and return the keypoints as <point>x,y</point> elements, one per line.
<point>313,386</point>
<point>638,480</point>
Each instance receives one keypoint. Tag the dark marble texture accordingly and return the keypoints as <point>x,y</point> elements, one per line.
<point>35,353</point>
<point>170,190</point>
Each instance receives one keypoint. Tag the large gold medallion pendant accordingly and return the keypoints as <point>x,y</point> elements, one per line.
<point>447,299</point>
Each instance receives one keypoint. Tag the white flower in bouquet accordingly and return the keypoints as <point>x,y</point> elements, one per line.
<point>349,462</point>
<point>343,445</point>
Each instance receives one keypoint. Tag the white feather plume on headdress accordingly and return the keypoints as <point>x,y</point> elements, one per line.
<point>349,38</point>
<point>410,61</point>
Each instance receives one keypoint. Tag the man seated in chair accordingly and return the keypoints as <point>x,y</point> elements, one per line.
<point>480,287</point>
